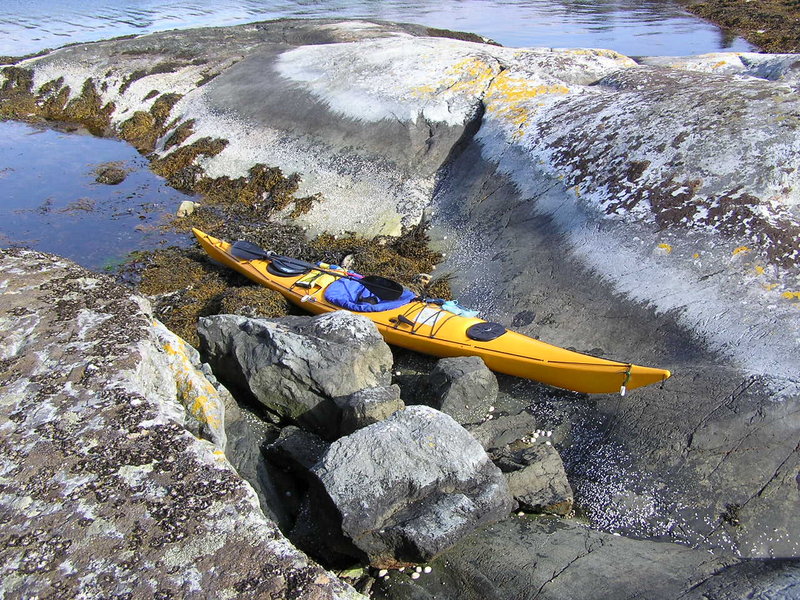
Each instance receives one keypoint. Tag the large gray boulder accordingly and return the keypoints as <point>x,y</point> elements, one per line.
<point>106,492</point>
<point>407,488</point>
<point>296,366</point>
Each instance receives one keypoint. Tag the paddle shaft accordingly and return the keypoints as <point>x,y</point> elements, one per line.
<point>385,290</point>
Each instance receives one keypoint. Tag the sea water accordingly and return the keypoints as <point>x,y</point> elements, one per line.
<point>632,27</point>
<point>48,197</point>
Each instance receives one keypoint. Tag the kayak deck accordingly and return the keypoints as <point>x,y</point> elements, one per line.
<point>428,328</point>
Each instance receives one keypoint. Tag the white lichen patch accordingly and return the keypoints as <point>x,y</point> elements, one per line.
<point>15,334</point>
<point>396,78</point>
<point>337,174</point>
<point>716,302</point>
<point>89,322</point>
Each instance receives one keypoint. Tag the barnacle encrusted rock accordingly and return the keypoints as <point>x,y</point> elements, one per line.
<point>105,492</point>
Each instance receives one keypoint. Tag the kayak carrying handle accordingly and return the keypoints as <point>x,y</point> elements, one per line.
<point>625,381</point>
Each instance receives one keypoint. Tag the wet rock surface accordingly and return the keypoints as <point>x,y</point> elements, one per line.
<point>105,492</point>
<point>546,558</point>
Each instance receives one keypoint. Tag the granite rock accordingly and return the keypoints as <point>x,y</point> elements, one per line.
<point>105,492</point>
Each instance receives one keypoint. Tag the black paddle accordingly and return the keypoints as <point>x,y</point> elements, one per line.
<point>383,288</point>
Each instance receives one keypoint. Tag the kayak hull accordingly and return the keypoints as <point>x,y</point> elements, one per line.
<point>426,327</point>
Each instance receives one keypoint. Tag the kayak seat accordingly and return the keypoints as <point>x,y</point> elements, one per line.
<point>350,294</point>
<point>285,270</point>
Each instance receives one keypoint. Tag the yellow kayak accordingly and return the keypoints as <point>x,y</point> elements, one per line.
<point>427,327</point>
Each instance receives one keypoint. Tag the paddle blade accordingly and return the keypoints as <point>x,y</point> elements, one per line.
<point>383,288</point>
<point>248,251</point>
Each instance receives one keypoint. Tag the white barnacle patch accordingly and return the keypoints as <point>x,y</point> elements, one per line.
<point>90,321</point>
<point>433,78</point>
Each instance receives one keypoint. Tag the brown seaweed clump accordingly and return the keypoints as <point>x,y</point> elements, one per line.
<point>403,258</point>
<point>772,25</point>
<point>144,128</point>
<point>50,102</point>
<point>183,285</point>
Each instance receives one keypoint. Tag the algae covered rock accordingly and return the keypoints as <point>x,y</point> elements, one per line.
<point>105,490</point>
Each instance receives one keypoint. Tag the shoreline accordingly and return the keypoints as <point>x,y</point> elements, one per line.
<point>770,25</point>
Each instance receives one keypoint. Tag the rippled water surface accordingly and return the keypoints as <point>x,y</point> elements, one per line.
<point>49,199</point>
<point>654,27</point>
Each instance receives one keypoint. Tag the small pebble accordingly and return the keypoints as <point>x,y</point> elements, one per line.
<point>383,573</point>
<point>415,575</point>
<point>548,444</point>
<point>427,570</point>
<point>520,514</point>
<point>491,409</point>
<point>418,569</point>
<point>401,569</point>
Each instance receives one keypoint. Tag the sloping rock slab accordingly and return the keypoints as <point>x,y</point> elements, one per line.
<point>104,492</point>
<point>411,486</point>
<point>551,559</point>
<point>295,366</point>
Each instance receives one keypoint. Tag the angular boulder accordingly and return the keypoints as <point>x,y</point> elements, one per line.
<point>464,388</point>
<point>368,406</point>
<point>536,478</point>
<point>499,432</point>
<point>409,487</point>
<point>296,366</point>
